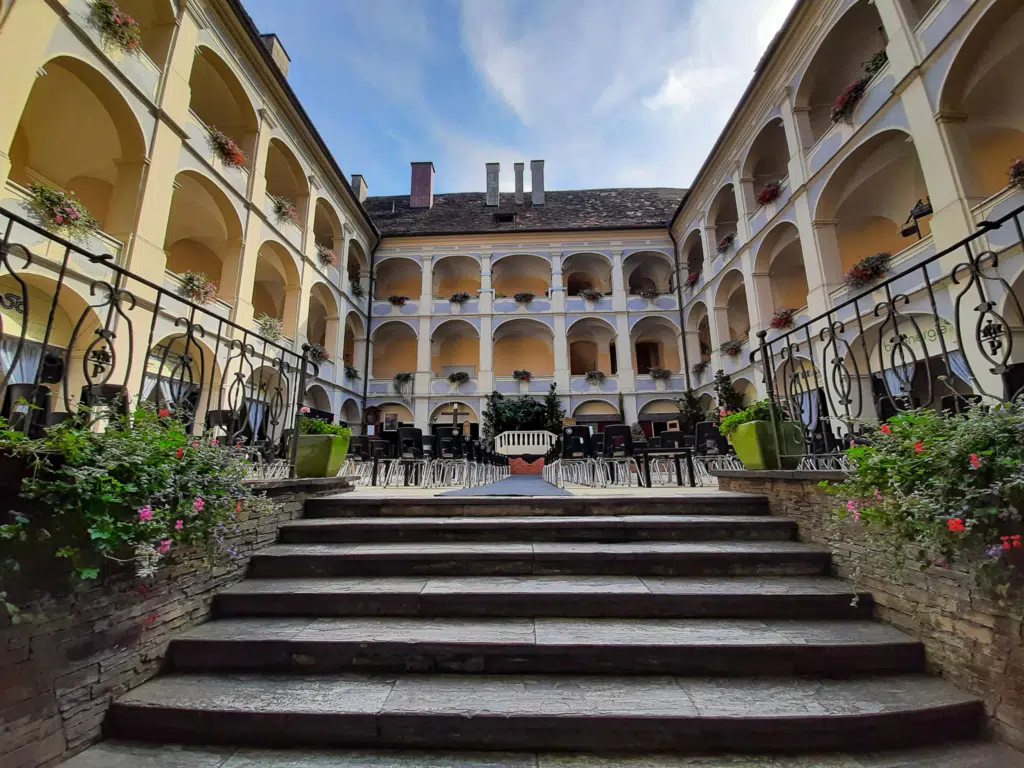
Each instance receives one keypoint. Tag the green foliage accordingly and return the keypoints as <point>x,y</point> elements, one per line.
<point>503,414</point>
<point>458,377</point>
<point>554,414</point>
<point>761,410</point>
<point>311,426</point>
<point>947,488</point>
<point>690,412</point>
<point>729,400</point>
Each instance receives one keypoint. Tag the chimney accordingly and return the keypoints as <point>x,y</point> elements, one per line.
<point>421,191</point>
<point>537,181</point>
<point>492,183</point>
<point>359,187</point>
<point>519,183</point>
<point>277,52</point>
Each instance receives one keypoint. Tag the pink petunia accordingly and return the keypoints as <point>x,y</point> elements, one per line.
<point>179,525</point>
<point>198,504</point>
<point>165,547</point>
<point>145,514</point>
<point>856,517</point>
<point>851,506</point>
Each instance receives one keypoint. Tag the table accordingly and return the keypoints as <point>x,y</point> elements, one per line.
<point>676,453</point>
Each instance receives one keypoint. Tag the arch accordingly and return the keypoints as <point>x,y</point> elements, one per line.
<point>693,252</point>
<point>591,343</point>
<point>767,160</point>
<point>394,349</point>
<point>455,274</point>
<point>275,290</point>
<point>723,214</point>
<point>454,346</point>
<point>182,375</point>
<point>523,344</point>
<point>595,408</point>
<point>355,339</point>
<point>268,393</point>
<point>746,388</point>
<point>400,411</point>
<point>322,318</point>
<point>655,342</point>
<point>839,59</point>
<point>988,132</point>
<point>285,178</point>
<point>698,334</point>
<point>587,269</point>
<point>397,276</point>
<point>218,99</point>
<point>732,297</point>
<point>780,277</point>
<point>870,195</point>
<point>328,232</point>
<point>156,21</point>
<point>666,409</point>
<point>79,134</point>
<point>521,272</point>
<point>648,271</point>
<point>707,403</point>
<point>357,266</point>
<point>351,415</point>
<point>316,397</point>
<point>204,232</point>
<point>444,411</point>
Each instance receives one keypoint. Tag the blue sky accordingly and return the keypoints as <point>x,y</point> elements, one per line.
<point>608,92</point>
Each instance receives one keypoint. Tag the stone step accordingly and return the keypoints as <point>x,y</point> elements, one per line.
<point>653,713</point>
<point>737,558</point>
<point>607,528</point>
<point>115,754</point>
<point>697,502</point>
<point>727,647</point>
<point>800,597</point>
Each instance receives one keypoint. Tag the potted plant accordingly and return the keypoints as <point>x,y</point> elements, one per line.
<point>458,378</point>
<point>591,295</point>
<point>270,328</point>
<point>459,298</point>
<point>759,433</point>
<point>732,347</point>
<point>726,243</point>
<point>769,193</point>
<point>284,211</point>
<point>60,211</point>
<point>660,374</point>
<point>691,279</point>
<point>523,377</point>
<point>698,368</point>
<point>318,354</point>
<point>352,372</point>
<point>197,287</point>
<point>868,271</point>
<point>728,399</point>
<point>356,287</point>
<point>648,294</point>
<point>398,301</point>
<point>842,110</point>
<point>402,379</point>
<point>523,298</point>
<point>322,447</point>
<point>326,257</point>
<point>225,148</point>
<point>1016,173</point>
<point>116,27</point>
<point>595,377</point>
<point>874,65</point>
<point>782,319</point>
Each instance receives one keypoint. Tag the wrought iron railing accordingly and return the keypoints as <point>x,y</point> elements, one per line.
<point>940,335</point>
<point>81,337</point>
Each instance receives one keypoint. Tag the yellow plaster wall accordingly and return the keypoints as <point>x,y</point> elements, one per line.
<point>523,353</point>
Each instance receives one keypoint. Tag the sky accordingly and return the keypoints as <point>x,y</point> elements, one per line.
<point>609,93</point>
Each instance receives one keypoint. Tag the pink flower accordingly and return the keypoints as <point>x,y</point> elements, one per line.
<point>851,506</point>
<point>165,547</point>
<point>59,219</point>
<point>304,409</point>
<point>878,494</point>
<point>856,517</point>
<point>198,504</point>
<point>886,429</point>
<point>179,525</point>
<point>975,461</point>
<point>195,444</point>
<point>145,514</point>
<point>919,447</point>
<point>213,443</point>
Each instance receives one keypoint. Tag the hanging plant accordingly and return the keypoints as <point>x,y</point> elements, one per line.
<point>229,153</point>
<point>595,377</point>
<point>726,242</point>
<point>459,298</point>
<point>1016,172</point>
<point>197,287</point>
<point>522,375</point>
<point>769,193</point>
<point>352,372</point>
<point>699,368</point>
<point>60,211</point>
<point>691,279</point>
<point>842,111</point>
<point>782,319</point>
<point>524,297</point>
<point>592,295</point>
<point>284,210</point>
<point>356,288</point>
<point>868,271</point>
<point>270,328</point>
<point>116,27</point>
<point>326,257</point>
<point>661,374</point>
<point>318,354</point>
<point>401,379</point>
<point>732,347</point>
<point>398,301</point>
<point>874,65</point>
<point>648,294</point>
<point>457,378</point>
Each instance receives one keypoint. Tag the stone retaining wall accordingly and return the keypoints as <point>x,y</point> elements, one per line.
<point>70,657</point>
<point>970,639</point>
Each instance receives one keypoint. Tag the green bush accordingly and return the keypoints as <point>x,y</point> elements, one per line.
<point>311,426</point>
<point>761,410</point>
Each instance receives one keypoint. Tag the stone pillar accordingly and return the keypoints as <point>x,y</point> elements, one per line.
<point>618,283</point>
<point>424,372</point>
<point>557,287</point>
<point>624,354</point>
<point>426,286</point>
<point>253,227</point>
<point>796,166</point>
<point>485,381</point>
<point>903,52</point>
<point>710,244</point>
<point>561,346</point>
<point>486,291</point>
<point>742,207</point>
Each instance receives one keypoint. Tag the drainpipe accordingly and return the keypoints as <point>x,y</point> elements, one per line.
<point>369,319</point>
<point>679,294</point>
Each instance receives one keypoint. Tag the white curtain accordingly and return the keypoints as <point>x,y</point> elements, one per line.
<point>899,380</point>
<point>809,404</point>
<point>24,371</point>
<point>256,410</point>
<point>959,368</point>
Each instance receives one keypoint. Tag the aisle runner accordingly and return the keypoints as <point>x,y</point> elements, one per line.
<point>516,485</point>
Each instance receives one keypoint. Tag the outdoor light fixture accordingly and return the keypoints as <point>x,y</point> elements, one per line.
<point>917,213</point>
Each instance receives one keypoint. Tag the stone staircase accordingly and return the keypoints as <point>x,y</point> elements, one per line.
<point>694,624</point>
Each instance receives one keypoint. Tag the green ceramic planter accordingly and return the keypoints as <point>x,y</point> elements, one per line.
<point>320,455</point>
<point>754,443</point>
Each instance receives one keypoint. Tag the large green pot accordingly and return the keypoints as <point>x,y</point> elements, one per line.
<point>320,455</point>
<point>754,443</point>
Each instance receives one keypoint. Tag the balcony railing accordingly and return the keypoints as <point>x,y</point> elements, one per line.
<point>525,443</point>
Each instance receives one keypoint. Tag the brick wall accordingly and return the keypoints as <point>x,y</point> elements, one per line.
<point>69,658</point>
<point>970,639</point>
<point>522,467</point>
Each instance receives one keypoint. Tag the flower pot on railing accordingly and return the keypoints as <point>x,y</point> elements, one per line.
<point>754,443</point>
<point>523,377</point>
<point>320,455</point>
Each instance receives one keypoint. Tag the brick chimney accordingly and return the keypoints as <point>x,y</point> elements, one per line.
<point>359,186</point>
<point>277,52</point>
<point>492,183</point>
<point>537,181</point>
<point>519,182</point>
<point>421,190</point>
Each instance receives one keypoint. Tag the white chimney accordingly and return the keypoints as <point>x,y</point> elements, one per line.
<point>519,183</point>
<point>537,181</point>
<point>359,186</point>
<point>492,183</point>
<point>277,52</point>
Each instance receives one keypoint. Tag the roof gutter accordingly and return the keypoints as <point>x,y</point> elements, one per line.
<point>525,231</point>
<point>759,71</point>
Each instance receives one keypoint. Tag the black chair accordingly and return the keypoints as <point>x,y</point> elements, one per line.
<point>22,399</point>
<point>617,462</point>
<point>408,458</point>
<point>576,463</point>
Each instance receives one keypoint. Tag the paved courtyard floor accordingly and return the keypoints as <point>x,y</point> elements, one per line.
<point>531,485</point>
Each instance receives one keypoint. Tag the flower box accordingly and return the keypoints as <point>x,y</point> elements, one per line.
<point>271,328</point>
<point>397,301</point>
<point>594,377</point>
<point>842,111</point>
<point>524,298</point>
<point>726,243</point>
<point>868,271</point>
<point>732,347</point>
<point>769,193</point>
<point>591,295</point>
<point>522,375</point>
<point>692,279</point>
<point>459,298</point>
<point>352,372</point>
<point>116,27</point>
<point>660,374</point>
<point>197,287</point>
<point>1016,173</point>
<point>318,354</point>
<point>648,294</point>
<point>458,378</point>
<point>326,257</point>
<point>285,211</point>
<point>782,319</point>
<point>225,148</point>
<point>698,368</point>
<point>61,212</point>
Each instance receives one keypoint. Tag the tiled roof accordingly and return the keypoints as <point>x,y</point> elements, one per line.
<point>566,210</point>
